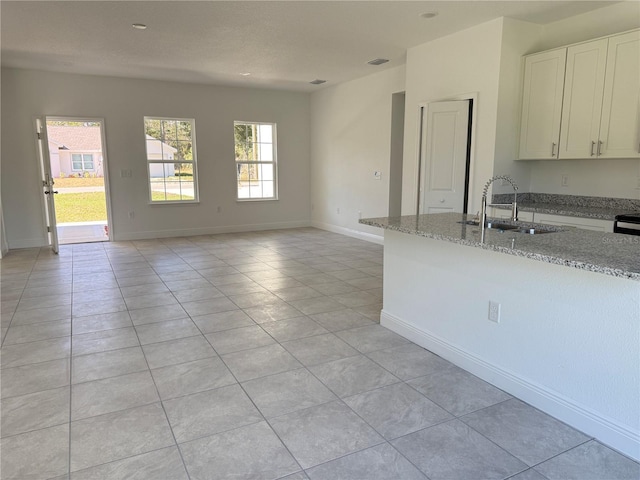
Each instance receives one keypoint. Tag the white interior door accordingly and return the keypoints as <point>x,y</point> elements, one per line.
<point>47,183</point>
<point>444,155</point>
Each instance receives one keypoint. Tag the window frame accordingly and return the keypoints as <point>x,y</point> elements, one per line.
<point>196,190</point>
<point>82,161</point>
<point>273,163</point>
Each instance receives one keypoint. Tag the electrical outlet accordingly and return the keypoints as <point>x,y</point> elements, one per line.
<point>338,210</point>
<point>494,311</point>
<point>131,214</point>
<point>219,209</point>
<point>564,181</point>
<point>359,214</point>
<point>377,175</point>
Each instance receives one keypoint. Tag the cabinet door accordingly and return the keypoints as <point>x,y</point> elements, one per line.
<point>542,104</point>
<point>620,127</point>
<point>582,103</point>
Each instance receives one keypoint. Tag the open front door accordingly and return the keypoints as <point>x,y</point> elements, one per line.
<point>47,183</point>
<point>444,156</point>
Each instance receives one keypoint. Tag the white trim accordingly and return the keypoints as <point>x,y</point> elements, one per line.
<point>369,237</point>
<point>605,429</point>
<point>210,230</point>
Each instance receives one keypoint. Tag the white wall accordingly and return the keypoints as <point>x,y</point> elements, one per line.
<point>602,178</point>
<point>568,341</point>
<point>517,39</point>
<point>465,62</point>
<point>123,103</point>
<point>599,178</point>
<point>350,139</point>
<point>619,17</point>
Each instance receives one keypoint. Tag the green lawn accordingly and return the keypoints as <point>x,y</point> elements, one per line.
<point>89,207</point>
<point>81,207</point>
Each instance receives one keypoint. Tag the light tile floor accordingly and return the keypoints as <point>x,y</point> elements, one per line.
<point>254,355</point>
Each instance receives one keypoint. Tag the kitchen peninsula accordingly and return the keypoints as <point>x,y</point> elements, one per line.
<point>565,328</point>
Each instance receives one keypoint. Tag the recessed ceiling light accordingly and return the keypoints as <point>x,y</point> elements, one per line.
<point>317,81</point>
<point>245,74</point>
<point>139,26</point>
<point>429,15</point>
<point>377,61</point>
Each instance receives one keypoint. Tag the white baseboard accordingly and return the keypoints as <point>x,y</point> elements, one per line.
<point>610,432</point>
<point>149,234</point>
<point>369,237</point>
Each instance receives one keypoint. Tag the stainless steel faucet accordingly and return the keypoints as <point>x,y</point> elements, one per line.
<point>514,205</point>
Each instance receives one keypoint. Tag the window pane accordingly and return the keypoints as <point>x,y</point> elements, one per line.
<point>265,152</point>
<point>243,180</point>
<point>266,172</point>
<point>154,149</point>
<point>267,189</point>
<point>185,181</point>
<point>265,133</point>
<point>157,182</point>
<point>184,130</point>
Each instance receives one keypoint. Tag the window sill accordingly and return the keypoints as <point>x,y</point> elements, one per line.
<point>251,200</point>
<point>179,202</point>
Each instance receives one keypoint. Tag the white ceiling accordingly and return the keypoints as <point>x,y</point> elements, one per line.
<point>283,44</point>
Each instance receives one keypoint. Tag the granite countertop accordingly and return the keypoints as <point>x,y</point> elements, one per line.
<point>600,213</point>
<point>608,253</point>
<point>601,208</point>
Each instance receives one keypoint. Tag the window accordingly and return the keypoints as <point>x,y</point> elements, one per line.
<point>256,160</point>
<point>82,161</point>
<point>171,159</point>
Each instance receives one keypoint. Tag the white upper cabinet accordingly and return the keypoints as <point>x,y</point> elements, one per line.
<point>620,126</point>
<point>542,104</point>
<point>593,111</point>
<point>582,102</point>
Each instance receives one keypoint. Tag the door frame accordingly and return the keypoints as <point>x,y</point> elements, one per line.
<point>45,177</point>
<point>471,147</point>
<point>105,162</point>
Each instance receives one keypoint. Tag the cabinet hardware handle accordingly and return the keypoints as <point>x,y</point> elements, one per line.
<point>553,149</point>
<point>593,144</point>
<point>600,142</point>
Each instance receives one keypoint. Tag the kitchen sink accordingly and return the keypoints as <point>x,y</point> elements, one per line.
<point>535,231</point>
<point>502,226</point>
<point>509,227</point>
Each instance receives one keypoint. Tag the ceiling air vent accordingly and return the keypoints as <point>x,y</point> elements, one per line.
<point>377,61</point>
<point>317,81</point>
